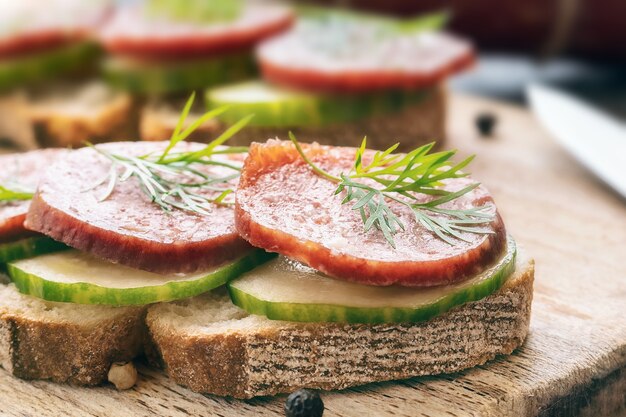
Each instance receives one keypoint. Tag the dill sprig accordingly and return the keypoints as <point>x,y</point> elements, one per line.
<point>172,179</point>
<point>16,193</point>
<point>405,179</point>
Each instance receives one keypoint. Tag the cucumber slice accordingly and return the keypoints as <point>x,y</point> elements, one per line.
<point>275,106</point>
<point>28,248</point>
<point>42,65</point>
<point>77,277</point>
<point>286,290</point>
<point>173,76</point>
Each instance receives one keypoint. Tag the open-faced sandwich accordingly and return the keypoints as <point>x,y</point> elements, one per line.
<point>163,49</point>
<point>36,44</point>
<point>145,222</point>
<point>390,265</point>
<point>168,46</point>
<point>338,76</point>
<point>58,341</point>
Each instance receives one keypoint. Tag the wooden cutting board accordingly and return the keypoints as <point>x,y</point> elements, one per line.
<point>574,361</point>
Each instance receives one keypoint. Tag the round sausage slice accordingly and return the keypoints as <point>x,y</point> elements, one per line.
<point>283,206</point>
<point>127,227</point>
<point>27,26</point>
<point>352,57</point>
<point>131,32</point>
<point>21,172</point>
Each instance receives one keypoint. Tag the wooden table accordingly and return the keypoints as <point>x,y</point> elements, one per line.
<point>574,361</point>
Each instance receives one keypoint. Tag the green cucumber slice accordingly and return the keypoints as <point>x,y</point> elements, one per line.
<point>286,290</point>
<point>275,106</point>
<point>77,277</point>
<point>43,65</point>
<point>147,77</point>
<point>28,248</point>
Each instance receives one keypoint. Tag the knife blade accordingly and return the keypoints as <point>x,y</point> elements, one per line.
<point>592,137</point>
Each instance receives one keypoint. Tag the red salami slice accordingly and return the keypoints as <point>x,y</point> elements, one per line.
<point>21,172</point>
<point>283,206</point>
<point>131,32</point>
<point>28,26</point>
<point>33,42</point>
<point>127,227</point>
<point>355,58</point>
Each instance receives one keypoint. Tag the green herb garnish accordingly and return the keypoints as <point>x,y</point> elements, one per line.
<point>169,179</point>
<point>403,178</point>
<point>15,194</point>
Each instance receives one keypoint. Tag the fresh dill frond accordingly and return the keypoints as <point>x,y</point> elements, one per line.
<point>405,179</point>
<point>172,179</point>
<point>14,193</point>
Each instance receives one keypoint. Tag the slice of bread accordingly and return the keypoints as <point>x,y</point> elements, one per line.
<point>211,346</point>
<point>68,343</point>
<point>416,125</point>
<point>15,126</point>
<point>68,115</point>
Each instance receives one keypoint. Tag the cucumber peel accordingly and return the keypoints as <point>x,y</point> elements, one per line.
<point>28,248</point>
<point>275,106</point>
<point>77,277</point>
<point>286,290</point>
<point>148,77</point>
<point>43,65</point>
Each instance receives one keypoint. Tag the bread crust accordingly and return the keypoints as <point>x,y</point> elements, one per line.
<point>69,352</point>
<point>278,357</point>
<point>116,122</point>
<point>71,115</point>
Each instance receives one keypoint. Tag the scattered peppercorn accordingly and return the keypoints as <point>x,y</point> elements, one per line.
<point>123,375</point>
<point>486,122</point>
<point>304,403</point>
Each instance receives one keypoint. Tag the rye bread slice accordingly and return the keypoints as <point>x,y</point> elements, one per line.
<point>211,346</point>
<point>67,343</point>
<point>127,227</point>
<point>69,115</point>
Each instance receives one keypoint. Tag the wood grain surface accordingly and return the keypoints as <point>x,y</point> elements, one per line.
<point>573,361</point>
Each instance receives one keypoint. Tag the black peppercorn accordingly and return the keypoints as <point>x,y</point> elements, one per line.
<point>486,122</point>
<point>304,403</point>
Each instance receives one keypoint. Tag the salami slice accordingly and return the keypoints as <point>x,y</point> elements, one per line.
<point>27,26</point>
<point>283,206</point>
<point>350,57</point>
<point>127,227</point>
<point>21,172</point>
<point>131,32</point>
